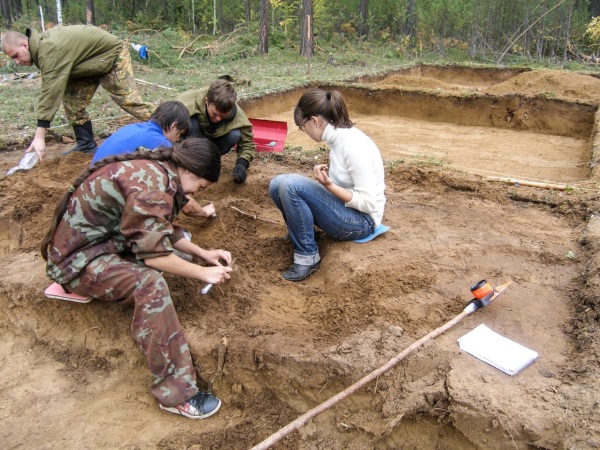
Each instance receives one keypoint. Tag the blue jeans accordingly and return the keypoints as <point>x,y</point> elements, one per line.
<point>305,203</point>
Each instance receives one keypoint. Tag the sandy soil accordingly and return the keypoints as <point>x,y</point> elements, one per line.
<point>71,376</point>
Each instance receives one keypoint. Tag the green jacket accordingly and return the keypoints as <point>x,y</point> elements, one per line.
<point>65,52</point>
<point>194,102</point>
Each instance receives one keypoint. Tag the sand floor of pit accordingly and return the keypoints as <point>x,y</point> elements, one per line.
<point>72,377</point>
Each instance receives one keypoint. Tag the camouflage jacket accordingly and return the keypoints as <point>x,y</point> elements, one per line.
<point>194,102</point>
<point>122,208</point>
<point>72,51</point>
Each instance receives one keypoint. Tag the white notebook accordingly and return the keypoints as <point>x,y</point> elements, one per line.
<point>496,350</point>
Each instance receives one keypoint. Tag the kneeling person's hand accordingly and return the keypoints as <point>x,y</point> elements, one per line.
<point>240,171</point>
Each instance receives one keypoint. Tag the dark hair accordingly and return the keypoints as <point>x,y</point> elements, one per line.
<point>222,93</point>
<point>328,104</point>
<point>199,156</point>
<point>172,112</point>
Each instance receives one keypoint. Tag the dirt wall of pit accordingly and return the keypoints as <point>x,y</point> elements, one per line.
<point>451,74</point>
<point>515,112</point>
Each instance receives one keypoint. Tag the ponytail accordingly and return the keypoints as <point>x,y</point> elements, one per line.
<point>328,104</point>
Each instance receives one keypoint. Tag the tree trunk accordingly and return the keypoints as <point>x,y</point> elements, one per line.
<point>165,10</point>
<point>90,12</point>
<point>363,13</point>
<point>594,8</point>
<point>214,31</point>
<point>568,31</point>
<point>132,15</point>
<point>41,12</point>
<point>247,10</point>
<point>474,32</point>
<point>541,37</point>
<point>58,12</point>
<point>193,17</point>
<point>307,42</point>
<point>7,14</point>
<point>263,38</point>
<point>410,24</point>
<point>525,41</point>
<point>17,8</point>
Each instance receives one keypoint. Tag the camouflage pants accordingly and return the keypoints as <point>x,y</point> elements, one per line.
<point>119,83</point>
<point>155,326</point>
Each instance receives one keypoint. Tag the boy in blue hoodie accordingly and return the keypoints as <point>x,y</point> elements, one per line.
<point>167,125</point>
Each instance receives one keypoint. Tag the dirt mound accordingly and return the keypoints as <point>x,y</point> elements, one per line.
<point>552,84</point>
<point>419,82</point>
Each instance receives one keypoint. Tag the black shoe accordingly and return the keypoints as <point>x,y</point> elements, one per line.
<point>200,406</point>
<point>77,148</point>
<point>298,272</point>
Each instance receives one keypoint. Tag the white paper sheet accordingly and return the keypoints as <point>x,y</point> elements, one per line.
<point>496,350</point>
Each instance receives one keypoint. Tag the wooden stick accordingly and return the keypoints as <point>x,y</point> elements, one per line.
<point>221,356</point>
<point>153,84</point>
<point>559,187</point>
<point>254,216</point>
<point>370,377</point>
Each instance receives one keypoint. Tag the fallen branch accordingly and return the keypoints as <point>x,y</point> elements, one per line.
<point>558,187</point>
<point>150,52</point>
<point>186,47</point>
<point>527,29</point>
<point>254,216</point>
<point>213,47</point>
<point>153,84</point>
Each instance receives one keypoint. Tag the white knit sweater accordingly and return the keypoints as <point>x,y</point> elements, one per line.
<point>355,164</point>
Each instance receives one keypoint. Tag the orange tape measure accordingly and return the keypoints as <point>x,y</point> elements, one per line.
<point>481,289</point>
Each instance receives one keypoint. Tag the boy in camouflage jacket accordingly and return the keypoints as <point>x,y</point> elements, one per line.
<point>216,116</point>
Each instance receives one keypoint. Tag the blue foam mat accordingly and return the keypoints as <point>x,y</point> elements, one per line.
<point>380,229</point>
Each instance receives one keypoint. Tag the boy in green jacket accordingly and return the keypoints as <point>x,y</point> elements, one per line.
<point>74,60</point>
<point>216,116</point>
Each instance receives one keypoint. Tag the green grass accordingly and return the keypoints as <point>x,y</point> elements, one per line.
<point>172,72</point>
<point>280,69</point>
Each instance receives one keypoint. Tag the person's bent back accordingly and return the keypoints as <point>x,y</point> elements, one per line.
<point>166,126</point>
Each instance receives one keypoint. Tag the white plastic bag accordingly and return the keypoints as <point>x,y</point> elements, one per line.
<point>29,160</point>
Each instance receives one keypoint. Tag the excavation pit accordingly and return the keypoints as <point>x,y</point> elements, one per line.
<point>539,136</point>
<point>273,349</point>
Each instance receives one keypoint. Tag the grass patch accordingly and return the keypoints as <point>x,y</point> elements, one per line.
<point>172,70</point>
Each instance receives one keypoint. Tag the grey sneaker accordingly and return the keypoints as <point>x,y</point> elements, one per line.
<point>200,406</point>
<point>298,272</point>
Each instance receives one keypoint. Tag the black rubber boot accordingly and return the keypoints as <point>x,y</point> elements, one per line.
<point>85,139</point>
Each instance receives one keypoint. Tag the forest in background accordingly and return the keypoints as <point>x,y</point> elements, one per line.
<point>481,30</point>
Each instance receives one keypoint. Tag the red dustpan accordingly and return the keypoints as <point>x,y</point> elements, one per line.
<point>269,135</point>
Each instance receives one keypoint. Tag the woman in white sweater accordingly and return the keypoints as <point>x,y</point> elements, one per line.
<point>346,198</point>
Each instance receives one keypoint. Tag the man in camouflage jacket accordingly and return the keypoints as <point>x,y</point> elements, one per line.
<point>74,60</point>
